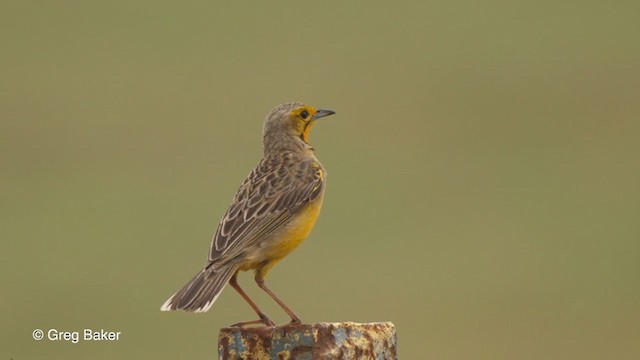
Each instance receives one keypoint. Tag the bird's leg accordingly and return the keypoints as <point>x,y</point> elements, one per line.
<point>260,276</point>
<point>264,319</point>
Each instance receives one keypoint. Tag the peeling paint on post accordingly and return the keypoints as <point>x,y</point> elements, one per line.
<point>346,340</point>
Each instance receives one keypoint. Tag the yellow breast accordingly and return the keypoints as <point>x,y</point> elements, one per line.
<point>295,231</point>
<point>284,241</point>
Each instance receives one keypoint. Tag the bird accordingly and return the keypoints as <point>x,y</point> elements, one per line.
<point>273,211</point>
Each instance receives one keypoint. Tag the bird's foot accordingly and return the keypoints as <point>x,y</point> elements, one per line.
<point>263,320</point>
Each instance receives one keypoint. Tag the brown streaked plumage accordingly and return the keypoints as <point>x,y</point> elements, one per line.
<point>271,214</point>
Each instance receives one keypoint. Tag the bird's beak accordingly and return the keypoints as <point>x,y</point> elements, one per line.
<point>322,113</point>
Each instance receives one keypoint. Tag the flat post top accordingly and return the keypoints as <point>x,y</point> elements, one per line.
<point>345,340</point>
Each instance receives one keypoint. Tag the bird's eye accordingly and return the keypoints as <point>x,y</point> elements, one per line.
<point>304,114</point>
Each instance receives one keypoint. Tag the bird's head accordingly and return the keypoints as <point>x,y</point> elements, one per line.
<point>289,124</point>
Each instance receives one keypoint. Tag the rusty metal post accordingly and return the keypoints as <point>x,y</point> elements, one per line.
<point>345,340</point>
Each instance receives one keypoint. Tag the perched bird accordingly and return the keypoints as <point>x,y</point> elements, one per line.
<point>271,214</point>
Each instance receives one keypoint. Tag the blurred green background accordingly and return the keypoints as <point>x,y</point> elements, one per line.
<point>484,170</point>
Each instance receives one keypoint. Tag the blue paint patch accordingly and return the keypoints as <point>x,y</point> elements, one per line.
<point>239,344</point>
<point>340,335</point>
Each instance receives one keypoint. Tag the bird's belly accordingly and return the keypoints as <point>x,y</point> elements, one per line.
<point>284,241</point>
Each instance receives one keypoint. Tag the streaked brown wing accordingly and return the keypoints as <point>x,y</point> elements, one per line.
<point>267,198</point>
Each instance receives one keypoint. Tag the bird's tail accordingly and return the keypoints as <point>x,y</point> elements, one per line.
<point>202,291</point>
